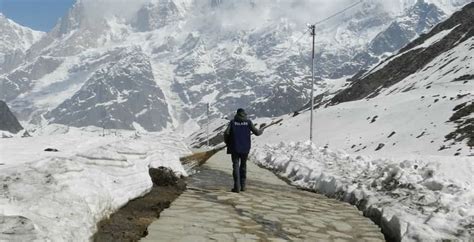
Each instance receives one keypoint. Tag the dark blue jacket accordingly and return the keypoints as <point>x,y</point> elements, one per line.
<point>237,135</point>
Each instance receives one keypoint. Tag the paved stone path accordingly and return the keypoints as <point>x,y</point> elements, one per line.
<point>269,210</point>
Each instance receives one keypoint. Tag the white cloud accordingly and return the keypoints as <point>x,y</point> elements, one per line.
<point>243,13</point>
<point>255,13</point>
<point>126,9</point>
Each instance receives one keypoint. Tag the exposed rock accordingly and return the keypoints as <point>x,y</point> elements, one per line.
<point>411,59</point>
<point>14,41</point>
<point>391,134</point>
<point>402,31</point>
<point>26,134</point>
<point>19,81</point>
<point>464,78</point>
<point>51,150</point>
<point>156,15</point>
<point>120,95</point>
<point>462,117</point>
<point>8,121</point>
<point>197,59</point>
<point>374,119</point>
<point>379,147</point>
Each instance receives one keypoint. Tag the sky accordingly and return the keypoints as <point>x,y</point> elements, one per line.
<point>36,14</point>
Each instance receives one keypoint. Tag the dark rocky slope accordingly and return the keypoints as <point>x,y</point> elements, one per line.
<point>411,59</point>
<point>8,121</point>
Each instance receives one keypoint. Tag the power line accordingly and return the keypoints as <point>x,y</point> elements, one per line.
<point>312,27</point>
<point>294,42</point>
<point>313,34</point>
<point>337,13</point>
<point>318,23</point>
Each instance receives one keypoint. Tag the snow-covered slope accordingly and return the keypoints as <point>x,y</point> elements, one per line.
<point>439,66</point>
<point>417,102</point>
<point>230,54</point>
<point>398,141</point>
<point>14,41</point>
<point>15,36</point>
<point>61,196</point>
<point>403,132</point>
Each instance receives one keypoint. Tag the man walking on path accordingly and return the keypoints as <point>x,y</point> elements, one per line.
<point>237,138</point>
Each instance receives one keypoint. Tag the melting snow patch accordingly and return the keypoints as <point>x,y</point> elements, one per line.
<point>61,196</point>
<point>423,199</point>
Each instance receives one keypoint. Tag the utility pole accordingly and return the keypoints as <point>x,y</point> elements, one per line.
<point>313,33</point>
<point>208,122</point>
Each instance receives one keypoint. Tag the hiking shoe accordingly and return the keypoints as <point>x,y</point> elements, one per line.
<point>235,190</point>
<point>242,189</point>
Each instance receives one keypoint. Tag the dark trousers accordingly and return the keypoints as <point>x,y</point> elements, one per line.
<point>239,172</point>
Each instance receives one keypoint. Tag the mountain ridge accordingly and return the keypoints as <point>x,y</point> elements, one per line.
<point>459,31</point>
<point>15,40</point>
<point>207,60</point>
<point>417,102</point>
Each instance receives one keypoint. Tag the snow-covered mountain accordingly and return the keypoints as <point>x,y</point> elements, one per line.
<point>14,41</point>
<point>228,53</point>
<point>403,132</point>
<point>120,95</point>
<point>439,65</point>
<point>396,141</point>
<point>405,124</point>
<point>416,102</point>
<point>418,19</point>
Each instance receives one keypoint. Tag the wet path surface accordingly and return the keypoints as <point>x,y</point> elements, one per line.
<point>269,210</point>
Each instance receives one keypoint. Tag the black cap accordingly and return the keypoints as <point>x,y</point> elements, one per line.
<point>241,110</point>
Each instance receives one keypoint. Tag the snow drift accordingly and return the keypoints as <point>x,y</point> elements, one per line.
<point>421,199</point>
<point>63,195</point>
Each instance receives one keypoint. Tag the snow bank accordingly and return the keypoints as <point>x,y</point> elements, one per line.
<point>428,199</point>
<point>6,134</point>
<point>61,196</point>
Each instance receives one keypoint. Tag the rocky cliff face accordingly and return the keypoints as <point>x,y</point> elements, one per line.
<point>19,80</point>
<point>120,95</point>
<point>418,19</point>
<point>8,121</point>
<point>418,101</point>
<point>14,41</point>
<point>230,54</point>
<point>416,57</point>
